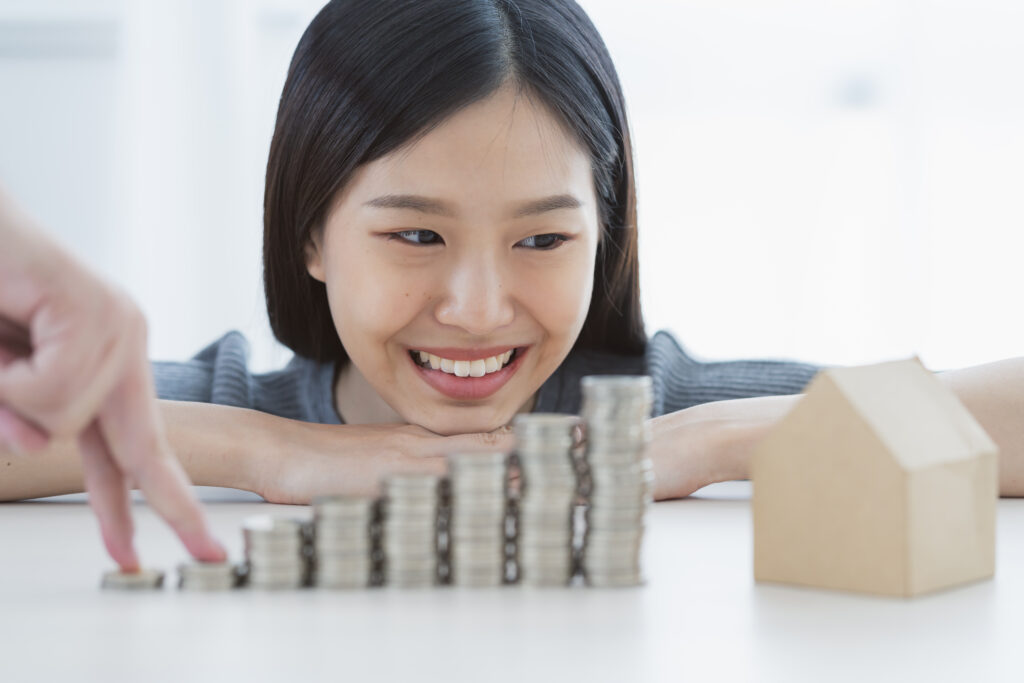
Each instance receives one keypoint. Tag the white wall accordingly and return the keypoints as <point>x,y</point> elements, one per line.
<point>836,182</point>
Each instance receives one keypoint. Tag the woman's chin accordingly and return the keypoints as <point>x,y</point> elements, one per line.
<point>456,427</point>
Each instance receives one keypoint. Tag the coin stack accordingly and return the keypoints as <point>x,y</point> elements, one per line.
<point>620,478</point>
<point>548,492</point>
<point>342,541</point>
<point>275,552</point>
<point>476,518</point>
<point>143,579</point>
<point>207,576</point>
<point>410,529</point>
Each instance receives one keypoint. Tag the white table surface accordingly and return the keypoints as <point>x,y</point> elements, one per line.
<point>700,616</point>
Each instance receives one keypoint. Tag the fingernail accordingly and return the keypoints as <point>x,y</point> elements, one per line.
<point>204,547</point>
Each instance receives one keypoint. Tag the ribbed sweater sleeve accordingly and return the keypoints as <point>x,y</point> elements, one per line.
<point>679,380</point>
<point>220,374</point>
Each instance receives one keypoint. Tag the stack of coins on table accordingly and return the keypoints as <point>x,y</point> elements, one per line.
<point>143,579</point>
<point>477,485</point>
<point>620,477</point>
<point>548,493</point>
<point>343,541</point>
<point>207,576</point>
<point>410,508</point>
<point>275,552</point>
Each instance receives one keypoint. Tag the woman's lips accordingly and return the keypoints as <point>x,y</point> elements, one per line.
<point>470,388</point>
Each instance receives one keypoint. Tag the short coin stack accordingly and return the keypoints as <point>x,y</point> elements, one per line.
<point>275,552</point>
<point>207,576</point>
<point>410,529</point>
<point>143,579</point>
<point>621,479</point>
<point>476,522</point>
<point>342,541</point>
<point>544,444</point>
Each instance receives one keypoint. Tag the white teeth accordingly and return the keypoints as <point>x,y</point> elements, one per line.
<point>464,368</point>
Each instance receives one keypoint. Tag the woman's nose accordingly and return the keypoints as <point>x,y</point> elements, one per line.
<point>477,298</point>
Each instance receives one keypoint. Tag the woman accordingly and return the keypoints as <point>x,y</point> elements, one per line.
<point>449,239</point>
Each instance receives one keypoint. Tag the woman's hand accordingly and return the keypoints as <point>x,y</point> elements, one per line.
<point>73,364</point>
<point>313,460</point>
<point>710,442</point>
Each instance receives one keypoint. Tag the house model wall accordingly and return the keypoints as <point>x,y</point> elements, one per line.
<point>880,481</point>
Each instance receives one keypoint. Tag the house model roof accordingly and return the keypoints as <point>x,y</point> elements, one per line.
<point>884,394</point>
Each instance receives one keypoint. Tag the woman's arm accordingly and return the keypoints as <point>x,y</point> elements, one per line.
<point>714,441</point>
<point>283,460</point>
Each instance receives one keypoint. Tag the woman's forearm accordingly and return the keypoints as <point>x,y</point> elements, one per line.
<point>283,460</point>
<point>212,442</point>
<point>993,393</point>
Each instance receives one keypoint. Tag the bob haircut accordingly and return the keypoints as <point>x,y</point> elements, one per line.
<point>371,76</point>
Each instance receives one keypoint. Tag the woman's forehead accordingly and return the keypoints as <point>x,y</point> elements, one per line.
<point>504,149</point>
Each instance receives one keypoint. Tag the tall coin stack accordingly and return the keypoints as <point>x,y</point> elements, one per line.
<point>620,477</point>
<point>275,552</point>
<point>476,518</point>
<point>411,504</point>
<point>544,444</point>
<point>343,541</point>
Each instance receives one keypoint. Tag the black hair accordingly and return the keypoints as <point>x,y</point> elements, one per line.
<point>371,76</point>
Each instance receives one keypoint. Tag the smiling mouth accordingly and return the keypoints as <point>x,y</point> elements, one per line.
<point>464,368</point>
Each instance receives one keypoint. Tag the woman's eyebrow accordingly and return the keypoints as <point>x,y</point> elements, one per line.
<point>438,207</point>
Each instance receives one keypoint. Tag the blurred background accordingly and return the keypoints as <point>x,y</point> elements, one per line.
<point>835,182</point>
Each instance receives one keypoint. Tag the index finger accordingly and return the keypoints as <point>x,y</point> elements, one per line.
<point>134,433</point>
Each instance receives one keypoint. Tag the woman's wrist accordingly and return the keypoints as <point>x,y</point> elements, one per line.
<point>737,428</point>
<point>219,445</point>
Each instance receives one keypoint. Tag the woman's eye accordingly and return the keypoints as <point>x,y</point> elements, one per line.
<point>425,237</point>
<point>545,242</point>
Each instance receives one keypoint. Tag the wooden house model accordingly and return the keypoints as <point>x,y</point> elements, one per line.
<point>879,480</point>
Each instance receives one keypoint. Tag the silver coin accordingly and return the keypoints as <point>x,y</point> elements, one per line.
<point>411,532</point>
<point>614,580</point>
<point>592,386</point>
<point>344,505</point>
<point>144,579</point>
<point>269,549</point>
<point>360,541</point>
<point>417,501</point>
<point>411,483</point>
<point>343,566</point>
<point>274,584</point>
<point>495,502</point>
<point>343,583</point>
<point>477,516</point>
<point>479,580</point>
<point>532,578</point>
<point>207,570</point>
<point>477,460</point>
<point>611,524</point>
<point>495,558</point>
<point>274,526</point>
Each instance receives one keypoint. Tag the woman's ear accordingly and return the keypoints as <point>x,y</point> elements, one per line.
<point>314,255</point>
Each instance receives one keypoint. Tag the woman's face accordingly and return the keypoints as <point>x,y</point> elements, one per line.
<point>473,268</point>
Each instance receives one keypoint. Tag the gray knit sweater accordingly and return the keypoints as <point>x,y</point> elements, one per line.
<point>303,390</point>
